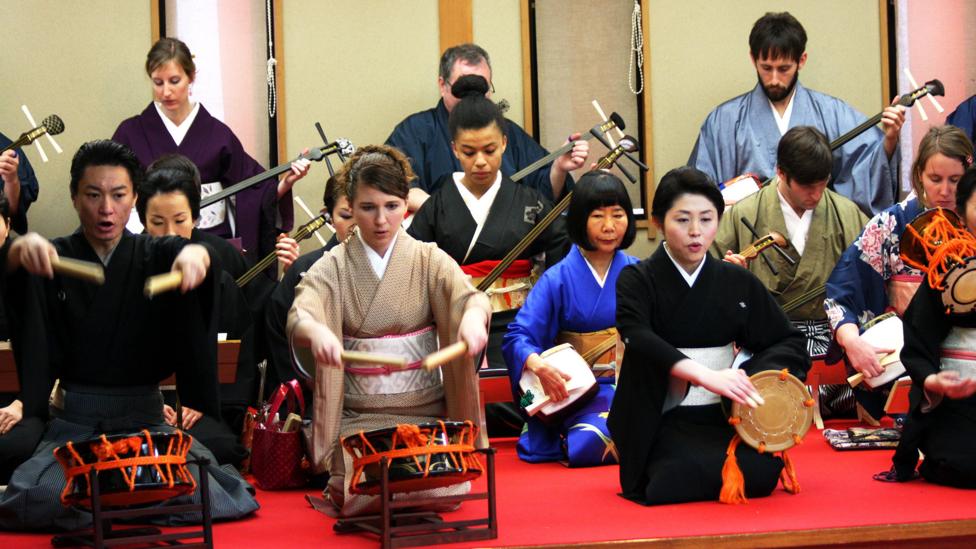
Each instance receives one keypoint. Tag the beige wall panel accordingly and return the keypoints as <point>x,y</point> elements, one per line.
<point>87,69</point>
<point>497,28</point>
<point>359,68</point>
<point>700,58</point>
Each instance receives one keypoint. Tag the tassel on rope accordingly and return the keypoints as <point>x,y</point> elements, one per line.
<point>733,483</point>
<point>788,475</point>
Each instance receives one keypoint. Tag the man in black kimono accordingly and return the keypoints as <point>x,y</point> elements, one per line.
<point>109,345</point>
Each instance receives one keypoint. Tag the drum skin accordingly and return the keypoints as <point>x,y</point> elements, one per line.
<point>784,417</point>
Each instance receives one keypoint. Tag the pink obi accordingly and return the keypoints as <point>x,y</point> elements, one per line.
<point>372,379</point>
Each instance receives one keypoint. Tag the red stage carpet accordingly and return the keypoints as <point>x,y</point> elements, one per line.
<point>550,504</point>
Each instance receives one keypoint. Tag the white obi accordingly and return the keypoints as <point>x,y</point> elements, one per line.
<point>713,358</point>
<point>216,213</point>
<point>379,379</point>
<point>959,352</point>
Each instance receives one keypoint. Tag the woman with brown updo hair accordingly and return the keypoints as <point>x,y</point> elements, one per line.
<point>382,291</point>
<point>172,123</point>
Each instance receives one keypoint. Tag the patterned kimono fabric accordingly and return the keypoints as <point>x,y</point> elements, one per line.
<point>418,301</point>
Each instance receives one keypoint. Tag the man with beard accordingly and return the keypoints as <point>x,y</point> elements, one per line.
<point>741,135</point>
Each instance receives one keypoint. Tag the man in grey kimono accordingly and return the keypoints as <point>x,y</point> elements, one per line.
<point>741,135</point>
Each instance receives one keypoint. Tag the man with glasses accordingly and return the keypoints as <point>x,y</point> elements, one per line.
<point>425,139</point>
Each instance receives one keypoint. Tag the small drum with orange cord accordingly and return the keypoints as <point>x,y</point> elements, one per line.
<point>421,457</point>
<point>775,426</point>
<point>134,469</point>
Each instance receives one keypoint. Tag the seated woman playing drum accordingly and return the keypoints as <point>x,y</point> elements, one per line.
<point>940,339</point>
<point>681,313</point>
<point>575,302</point>
<point>382,291</point>
<point>870,277</point>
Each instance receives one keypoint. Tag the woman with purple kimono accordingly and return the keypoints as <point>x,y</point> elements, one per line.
<point>575,301</point>
<point>251,219</point>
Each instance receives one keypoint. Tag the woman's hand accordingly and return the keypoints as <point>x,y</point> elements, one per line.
<point>326,347</point>
<point>299,169</point>
<point>10,416</point>
<point>473,330</point>
<point>733,384</point>
<point>736,259</point>
<point>950,384</point>
<point>193,261</point>
<point>862,355</point>
<point>190,416</point>
<point>287,251</point>
<point>553,381</point>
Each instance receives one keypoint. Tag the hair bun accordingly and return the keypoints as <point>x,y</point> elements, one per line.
<point>469,85</point>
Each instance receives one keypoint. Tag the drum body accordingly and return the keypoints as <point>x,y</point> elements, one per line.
<point>959,295</point>
<point>582,386</point>
<point>421,457</point>
<point>782,420</point>
<point>885,331</point>
<point>134,469</point>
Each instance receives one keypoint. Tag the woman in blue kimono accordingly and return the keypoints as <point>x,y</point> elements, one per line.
<point>573,299</point>
<point>871,277</point>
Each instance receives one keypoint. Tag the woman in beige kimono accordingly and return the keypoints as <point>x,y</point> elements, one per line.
<point>382,291</point>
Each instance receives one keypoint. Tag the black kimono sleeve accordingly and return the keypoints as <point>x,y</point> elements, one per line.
<point>768,333</point>
<point>424,222</point>
<point>926,326</point>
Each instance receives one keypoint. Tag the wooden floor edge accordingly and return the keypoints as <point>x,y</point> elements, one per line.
<point>949,533</point>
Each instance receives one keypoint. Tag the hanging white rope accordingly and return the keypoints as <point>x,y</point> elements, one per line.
<point>636,50</point>
<point>272,87</point>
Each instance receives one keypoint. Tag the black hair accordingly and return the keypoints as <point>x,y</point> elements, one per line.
<point>682,181</point>
<point>104,152</point>
<point>804,155</point>
<point>471,54</point>
<point>964,190</point>
<point>598,189</point>
<point>777,35</point>
<point>474,111</point>
<point>169,174</point>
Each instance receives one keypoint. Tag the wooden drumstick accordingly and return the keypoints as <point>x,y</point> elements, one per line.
<point>85,270</point>
<point>445,355</point>
<point>889,358</point>
<point>163,283</point>
<point>373,358</point>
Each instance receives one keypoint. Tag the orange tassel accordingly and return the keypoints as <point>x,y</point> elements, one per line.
<point>733,483</point>
<point>788,475</point>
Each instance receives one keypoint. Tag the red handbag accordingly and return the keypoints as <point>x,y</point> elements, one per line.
<point>277,456</point>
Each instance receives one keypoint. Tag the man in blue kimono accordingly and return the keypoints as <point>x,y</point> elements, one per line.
<point>425,139</point>
<point>964,117</point>
<point>19,184</point>
<point>741,135</point>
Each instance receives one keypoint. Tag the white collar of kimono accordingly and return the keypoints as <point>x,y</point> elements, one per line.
<point>797,226</point>
<point>178,132</point>
<point>601,280</point>
<point>689,278</point>
<point>377,262</point>
<point>478,207</point>
<point>783,122</point>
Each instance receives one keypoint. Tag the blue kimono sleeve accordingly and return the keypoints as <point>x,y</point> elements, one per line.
<point>534,329</point>
<point>853,288</point>
<point>862,170</point>
<point>964,117</point>
<point>709,155</point>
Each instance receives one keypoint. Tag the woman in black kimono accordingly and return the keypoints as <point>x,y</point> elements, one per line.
<point>680,312</point>
<point>939,356</point>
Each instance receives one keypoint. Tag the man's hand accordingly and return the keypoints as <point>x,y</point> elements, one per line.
<point>34,253</point>
<point>193,261</point>
<point>9,162</point>
<point>190,417</point>
<point>736,259</point>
